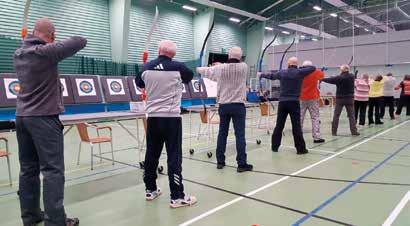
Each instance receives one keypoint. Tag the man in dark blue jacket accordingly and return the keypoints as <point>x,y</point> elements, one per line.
<point>290,87</point>
<point>344,98</point>
<point>38,128</point>
<point>162,79</point>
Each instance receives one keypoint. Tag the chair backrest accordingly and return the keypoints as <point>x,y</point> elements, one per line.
<point>204,116</point>
<point>82,130</point>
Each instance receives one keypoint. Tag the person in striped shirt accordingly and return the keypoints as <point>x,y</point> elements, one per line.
<point>361,98</point>
<point>231,97</point>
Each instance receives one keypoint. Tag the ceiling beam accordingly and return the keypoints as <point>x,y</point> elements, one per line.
<point>351,10</point>
<point>307,30</point>
<point>230,9</point>
<point>264,10</point>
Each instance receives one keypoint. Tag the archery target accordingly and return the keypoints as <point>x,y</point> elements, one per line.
<point>183,88</point>
<point>137,90</point>
<point>85,87</point>
<point>116,87</point>
<point>12,87</point>
<point>64,89</point>
<point>196,86</point>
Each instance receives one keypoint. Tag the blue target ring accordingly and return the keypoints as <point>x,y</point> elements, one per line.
<point>86,87</point>
<point>14,87</point>
<point>116,87</point>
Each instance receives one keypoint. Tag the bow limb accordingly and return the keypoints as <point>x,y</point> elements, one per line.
<point>286,51</point>
<point>24,29</point>
<point>153,27</point>
<point>261,61</point>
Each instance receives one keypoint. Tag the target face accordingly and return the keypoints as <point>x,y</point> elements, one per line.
<point>116,86</point>
<point>137,90</point>
<point>196,85</point>
<point>211,87</point>
<point>64,87</point>
<point>183,88</point>
<point>12,87</point>
<point>85,87</point>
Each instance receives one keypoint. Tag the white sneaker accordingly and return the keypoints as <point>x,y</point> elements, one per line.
<point>151,195</point>
<point>187,201</point>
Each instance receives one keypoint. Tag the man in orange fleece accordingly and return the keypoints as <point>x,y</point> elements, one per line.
<point>309,101</point>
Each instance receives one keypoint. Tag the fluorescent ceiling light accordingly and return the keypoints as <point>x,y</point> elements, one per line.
<point>366,29</point>
<point>317,8</point>
<point>333,15</point>
<point>315,39</point>
<point>235,20</point>
<point>269,28</point>
<point>285,32</point>
<point>344,20</point>
<point>190,8</point>
<point>302,37</point>
<point>356,25</point>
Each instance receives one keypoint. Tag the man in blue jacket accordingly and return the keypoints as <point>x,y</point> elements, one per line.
<point>291,81</point>
<point>162,79</point>
<point>38,128</point>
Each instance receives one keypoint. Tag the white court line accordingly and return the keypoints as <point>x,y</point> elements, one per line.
<point>393,215</point>
<point>273,183</point>
<point>311,149</point>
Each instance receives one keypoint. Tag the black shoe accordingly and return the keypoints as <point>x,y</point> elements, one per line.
<point>319,141</point>
<point>379,123</point>
<point>72,222</point>
<point>244,168</point>
<point>302,152</point>
<point>38,221</point>
<point>356,134</point>
<point>275,149</point>
<point>371,123</point>
<point>220,165</point>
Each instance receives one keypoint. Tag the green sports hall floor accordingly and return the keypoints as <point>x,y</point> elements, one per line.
<point>345,181</point>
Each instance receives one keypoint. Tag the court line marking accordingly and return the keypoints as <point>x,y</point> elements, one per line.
<point>273,183</point>
<point>395,213</point>
<point>348,187</point>
<point>310,149</point>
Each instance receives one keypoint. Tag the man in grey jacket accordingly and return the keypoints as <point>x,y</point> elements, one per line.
<point>39,130</point>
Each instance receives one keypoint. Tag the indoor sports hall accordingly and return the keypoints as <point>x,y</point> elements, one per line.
<point>204,113</point>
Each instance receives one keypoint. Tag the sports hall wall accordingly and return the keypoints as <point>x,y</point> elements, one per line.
<point>91,19</point>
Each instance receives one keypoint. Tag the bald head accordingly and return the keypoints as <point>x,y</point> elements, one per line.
<point>293,61</point>
<point>44,29</point>
<point>167,48</point>
<point>235,53</point>
<point>344,68</point>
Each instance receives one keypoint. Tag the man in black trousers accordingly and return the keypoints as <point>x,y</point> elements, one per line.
<point>162,79</point>
<point>39,130</point>
<point>291,81</point>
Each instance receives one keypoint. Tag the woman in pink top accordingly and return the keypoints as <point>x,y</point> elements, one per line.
<point>361,98</point>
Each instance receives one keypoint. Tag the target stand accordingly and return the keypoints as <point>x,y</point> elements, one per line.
<point>86,89</point>
<point>198,89</point>
<point>115,89</point>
